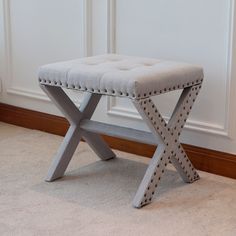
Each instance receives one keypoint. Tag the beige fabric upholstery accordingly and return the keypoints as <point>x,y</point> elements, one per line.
<point>138,79</point>
<point>119,75</point>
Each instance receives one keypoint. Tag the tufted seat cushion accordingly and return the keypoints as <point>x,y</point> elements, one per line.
<point>119,75</point>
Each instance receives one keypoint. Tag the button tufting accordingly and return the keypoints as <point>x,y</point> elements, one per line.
<point>123,75</point>
<point>114,59</point>
<point>123,68</point>
<point>148,64</point>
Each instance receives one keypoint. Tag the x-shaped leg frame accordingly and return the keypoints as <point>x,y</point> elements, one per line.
<point>166,135</point>
<point>170,149</point>
<point>75,133</point>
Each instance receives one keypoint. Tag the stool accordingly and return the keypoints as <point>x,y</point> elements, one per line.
<point>138,79</point>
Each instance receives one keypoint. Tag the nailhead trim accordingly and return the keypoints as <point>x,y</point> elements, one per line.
<point>133,96</point>
<point>184,162</point>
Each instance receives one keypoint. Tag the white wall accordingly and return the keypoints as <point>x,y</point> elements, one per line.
<point>36,32</point>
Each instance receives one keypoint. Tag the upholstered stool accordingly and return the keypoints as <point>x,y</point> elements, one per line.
<point>138,79</point>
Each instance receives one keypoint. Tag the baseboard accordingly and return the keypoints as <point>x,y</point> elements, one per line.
<point>203,159</point>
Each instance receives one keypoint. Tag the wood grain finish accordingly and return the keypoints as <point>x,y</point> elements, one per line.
<point>203,159</point>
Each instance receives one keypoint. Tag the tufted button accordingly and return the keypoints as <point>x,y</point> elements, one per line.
<point>114,59</point>
<point>122,74</point>
<point>90,63</point>
<point>148,64</point>
<point>123,68</point>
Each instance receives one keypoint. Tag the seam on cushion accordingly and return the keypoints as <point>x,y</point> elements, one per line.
<point>102,77</point>
<point>67,73</point>
<point>135,88</point>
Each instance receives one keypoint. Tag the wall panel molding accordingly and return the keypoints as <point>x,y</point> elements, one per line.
<point>15,91</point>
<point>87,28</point>
<point>113,109</point>
<point>111,26</point>
<point>223,130</point>
<point>116,110</point>
<point>7,43</point>
<point>28,93</point>
<point>194,125</point>
<point>231,80</point>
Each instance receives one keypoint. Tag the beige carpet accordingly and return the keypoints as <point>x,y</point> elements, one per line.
<point>94,198</point>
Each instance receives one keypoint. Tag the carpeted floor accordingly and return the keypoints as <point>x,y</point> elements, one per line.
<point>94,198</point>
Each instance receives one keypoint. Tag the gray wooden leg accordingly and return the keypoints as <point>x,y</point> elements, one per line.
<point>179,159</point>
<point>170,149</point>
<point>64,154</point>
<point>98,145</point>
<point>74,134</point>
<point>183,165</point>
<point>152,177</point>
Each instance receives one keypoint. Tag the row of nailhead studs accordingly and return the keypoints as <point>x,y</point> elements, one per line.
<point>196,90</point>
<point>150,191</point>
<point>155,179</point>
<point>159,170</point>
<point>153,116</point>
<point>184,162</point>
<point>156,92</point>
<point>186,107</point>
<point>186,165</point>
<point>104,91</point>
<point>113,92</point>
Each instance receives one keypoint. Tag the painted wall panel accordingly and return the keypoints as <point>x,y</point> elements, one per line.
<point>190,31</point>
<point>43,32</point>
<point>35,32</point>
